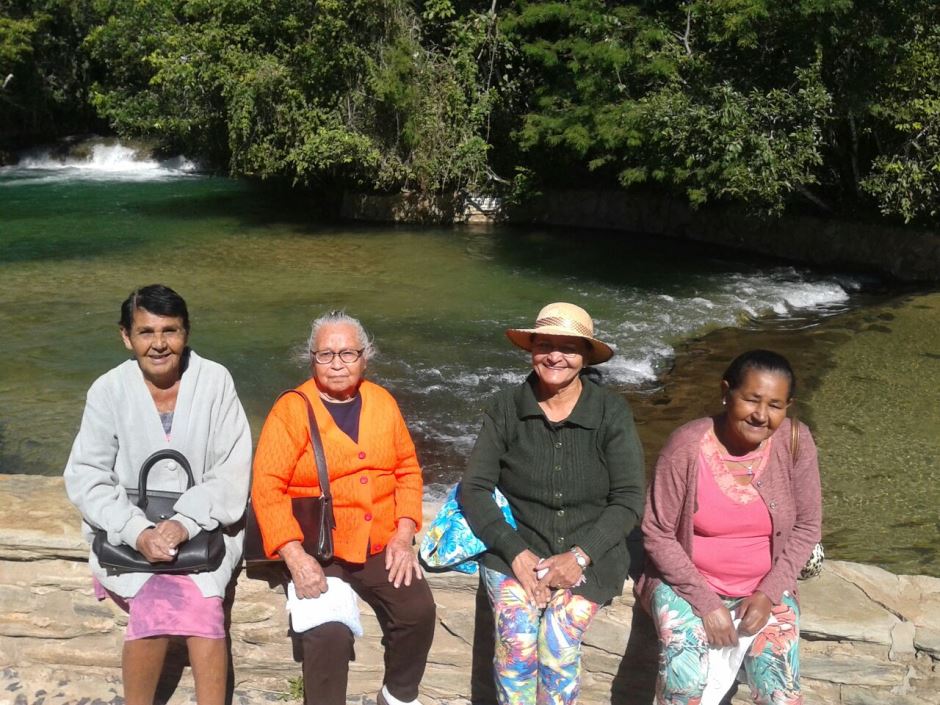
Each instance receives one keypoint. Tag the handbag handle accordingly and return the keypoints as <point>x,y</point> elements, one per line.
<point>794,436</point>
<point>165,454</point>
<point>319,458</point>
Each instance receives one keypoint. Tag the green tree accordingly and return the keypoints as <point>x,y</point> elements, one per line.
<point>337,90</point>
<point>753,101</point>
<point>760,102</point>
<point>691,96</point>
<point>44,74</point>
<point>905,176</point>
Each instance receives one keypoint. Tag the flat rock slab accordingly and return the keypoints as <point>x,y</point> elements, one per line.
<point>915,598</point>
<point>928,640</point>
<point>853,670</point>
<point>857,695</point>
<point>834,608</point>
<point>38,520</point>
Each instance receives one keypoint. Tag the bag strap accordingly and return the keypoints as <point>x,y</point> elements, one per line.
<point>319,457</point>
<point>794,436</point>
<point>153,459</point>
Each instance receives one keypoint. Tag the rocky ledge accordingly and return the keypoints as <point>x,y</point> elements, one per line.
<point>869,637</point>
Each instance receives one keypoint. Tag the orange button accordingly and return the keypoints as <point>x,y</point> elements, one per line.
<point>363,480</point>
<point>362,454</point>
<point>377,547</point>
<point>368,517</point>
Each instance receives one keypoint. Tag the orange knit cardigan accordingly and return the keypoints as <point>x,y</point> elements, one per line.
<point>374,482</point>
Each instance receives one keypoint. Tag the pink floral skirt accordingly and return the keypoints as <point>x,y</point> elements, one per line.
<point>168,605</point>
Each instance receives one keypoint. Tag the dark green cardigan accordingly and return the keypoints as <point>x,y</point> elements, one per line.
<point>578,482</point>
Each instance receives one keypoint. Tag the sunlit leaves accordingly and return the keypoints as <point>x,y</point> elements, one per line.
<point>906,179</point>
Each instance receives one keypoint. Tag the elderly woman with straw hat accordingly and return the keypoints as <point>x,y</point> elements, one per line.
<point>564,452</point>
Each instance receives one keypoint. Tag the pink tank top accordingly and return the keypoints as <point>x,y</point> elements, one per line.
<point>731,539</point>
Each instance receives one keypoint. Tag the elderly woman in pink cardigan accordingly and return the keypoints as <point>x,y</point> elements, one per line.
<point>732,515</point>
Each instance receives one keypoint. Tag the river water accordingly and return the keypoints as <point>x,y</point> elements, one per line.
<point>255,267</point>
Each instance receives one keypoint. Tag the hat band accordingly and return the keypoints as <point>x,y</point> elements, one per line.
<point>557,322</point>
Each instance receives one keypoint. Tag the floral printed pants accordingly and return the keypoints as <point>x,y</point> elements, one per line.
<point>538,652</point>
<point>772,663</point>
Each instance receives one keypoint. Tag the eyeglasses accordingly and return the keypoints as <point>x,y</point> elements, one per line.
<point>325,357</point>
<point>568,350</point>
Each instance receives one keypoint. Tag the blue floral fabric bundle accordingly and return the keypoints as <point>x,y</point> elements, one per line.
<point>449,542</point>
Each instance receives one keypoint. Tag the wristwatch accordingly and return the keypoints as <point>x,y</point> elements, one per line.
<point>580,558</point>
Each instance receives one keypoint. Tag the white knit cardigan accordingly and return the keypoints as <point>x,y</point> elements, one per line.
<point>121,428</point>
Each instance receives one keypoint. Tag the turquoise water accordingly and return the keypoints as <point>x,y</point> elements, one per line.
<point>255,268</point>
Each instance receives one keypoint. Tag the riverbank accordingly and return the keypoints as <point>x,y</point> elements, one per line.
<point>870,390</point>
<point>869,636</point>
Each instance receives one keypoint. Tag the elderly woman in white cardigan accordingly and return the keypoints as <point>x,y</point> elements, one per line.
<point>167,397</point>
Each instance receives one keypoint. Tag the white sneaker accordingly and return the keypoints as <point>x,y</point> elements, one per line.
<point>383,697</point>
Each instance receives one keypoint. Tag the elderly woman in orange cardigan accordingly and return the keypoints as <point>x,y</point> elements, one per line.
<point>376,485</point>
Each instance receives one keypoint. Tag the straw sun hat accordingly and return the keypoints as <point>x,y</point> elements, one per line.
<point>563,319</point>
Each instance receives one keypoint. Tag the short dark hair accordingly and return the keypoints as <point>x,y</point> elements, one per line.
<point>763,361</point>
<point>157,299</point>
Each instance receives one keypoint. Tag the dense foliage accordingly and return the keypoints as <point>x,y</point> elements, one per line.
<point>826,104</point>
<point>44,71</point>
<point>342,90</point>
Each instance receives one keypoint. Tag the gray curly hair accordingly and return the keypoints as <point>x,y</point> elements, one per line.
<point>332,318</point>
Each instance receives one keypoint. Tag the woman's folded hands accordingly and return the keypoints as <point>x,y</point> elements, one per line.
<point>560,572</point>
<point>158,543</point>
<point>753,612</point>
<point>524,567</point>
<point>539,576</point>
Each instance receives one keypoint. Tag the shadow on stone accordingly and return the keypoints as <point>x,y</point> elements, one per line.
<point>176,661</point>
<point>636,677</point>
<point>177,655</point>
<point>482,686</point>
<point>637,554</point>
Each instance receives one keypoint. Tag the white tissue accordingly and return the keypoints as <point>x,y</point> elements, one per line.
<point>337,604</point>
<point>724,663</point>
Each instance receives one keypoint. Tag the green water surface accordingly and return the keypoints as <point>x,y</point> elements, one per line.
<point>255,267</point>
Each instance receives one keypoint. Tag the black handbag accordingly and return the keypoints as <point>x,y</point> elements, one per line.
<point>314,514</point>
<point>200,554</point>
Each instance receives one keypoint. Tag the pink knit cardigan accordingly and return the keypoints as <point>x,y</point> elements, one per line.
<point>789,488</point>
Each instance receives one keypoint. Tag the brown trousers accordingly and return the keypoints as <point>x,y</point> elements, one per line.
<point>407,617</point>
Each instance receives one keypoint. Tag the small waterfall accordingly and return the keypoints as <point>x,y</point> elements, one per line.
<point>98,160</point>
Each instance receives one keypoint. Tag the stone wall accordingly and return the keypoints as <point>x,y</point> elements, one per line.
<point>904,253</point>
<point>869,637</point>
<point>426,209</point>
